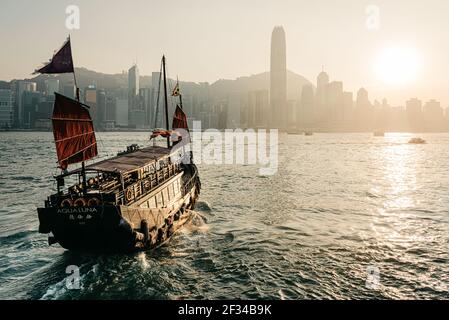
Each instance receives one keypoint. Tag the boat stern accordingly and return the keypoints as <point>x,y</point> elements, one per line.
<point>86,228</point>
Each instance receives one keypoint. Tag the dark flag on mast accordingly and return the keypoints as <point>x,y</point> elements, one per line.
<point>61,62</point>
<point>179,119</point>
<point>73,128</point>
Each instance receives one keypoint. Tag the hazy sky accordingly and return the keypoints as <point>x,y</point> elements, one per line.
<point>207,40</point>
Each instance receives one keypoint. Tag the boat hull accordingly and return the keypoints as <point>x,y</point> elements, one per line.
<point>115,228</point>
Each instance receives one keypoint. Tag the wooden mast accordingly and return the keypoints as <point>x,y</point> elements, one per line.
<point>83,165</point>
<point>180,95</point>
<point>166,100</point>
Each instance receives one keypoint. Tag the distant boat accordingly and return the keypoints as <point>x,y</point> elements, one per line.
<point>417,141</point>
<point>296,132</point>
<point>379,134</point>
<point>308,133</point>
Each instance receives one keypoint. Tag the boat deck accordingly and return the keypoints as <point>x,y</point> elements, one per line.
<point>131,161</point>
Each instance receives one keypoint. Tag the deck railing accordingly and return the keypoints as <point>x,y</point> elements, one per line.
<point>140,188</point>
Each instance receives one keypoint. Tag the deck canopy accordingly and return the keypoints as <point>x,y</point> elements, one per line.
<point>131,161</point>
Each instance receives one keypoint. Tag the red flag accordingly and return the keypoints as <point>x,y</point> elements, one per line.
<point>163,133</point>
<point>179,119</point>
<point>61,62</point>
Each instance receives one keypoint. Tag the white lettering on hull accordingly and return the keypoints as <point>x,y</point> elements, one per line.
<point>77,210</point>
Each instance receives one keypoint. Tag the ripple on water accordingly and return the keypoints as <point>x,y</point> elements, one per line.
<point>338,205</point>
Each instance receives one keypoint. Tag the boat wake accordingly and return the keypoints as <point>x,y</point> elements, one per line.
<point>198,223</point>
<point>203,206</point>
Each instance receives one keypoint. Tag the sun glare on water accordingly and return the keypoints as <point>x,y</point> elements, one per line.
<point>397,66</point>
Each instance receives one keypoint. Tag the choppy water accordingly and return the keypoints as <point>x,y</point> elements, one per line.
<point>340,206</point>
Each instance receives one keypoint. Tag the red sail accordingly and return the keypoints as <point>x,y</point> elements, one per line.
<point>73,131</point>
<point>179,119</point>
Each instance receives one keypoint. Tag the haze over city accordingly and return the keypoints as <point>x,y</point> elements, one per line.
<point>211,40</point>
<point>257,150</point>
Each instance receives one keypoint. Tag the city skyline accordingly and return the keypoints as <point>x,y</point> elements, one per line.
<point>130,105</point>
<point>314,82</point>
<point>331,106</point>
<point>314,34</point>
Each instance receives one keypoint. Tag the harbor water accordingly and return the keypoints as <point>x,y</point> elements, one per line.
<point>346,216</point>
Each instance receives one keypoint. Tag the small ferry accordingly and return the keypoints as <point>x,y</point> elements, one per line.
<point>417,141</point>
<point>295,132</point>
<point>135,200</point>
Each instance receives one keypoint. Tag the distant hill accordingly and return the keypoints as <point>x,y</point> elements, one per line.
<point>87,77</point>
<point>5,85</point>
<point>219,89</point>
<point>259,82</point>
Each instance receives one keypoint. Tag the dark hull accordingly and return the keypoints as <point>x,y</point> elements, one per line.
<point>116,228</point>
<point>104,233</point>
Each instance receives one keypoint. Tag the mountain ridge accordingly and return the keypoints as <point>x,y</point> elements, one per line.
<point>219,88</point>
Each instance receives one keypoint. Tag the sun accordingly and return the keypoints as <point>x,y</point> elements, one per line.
<point>397,66</point>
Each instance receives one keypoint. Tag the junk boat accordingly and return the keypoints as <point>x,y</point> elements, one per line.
<point>135,200</point>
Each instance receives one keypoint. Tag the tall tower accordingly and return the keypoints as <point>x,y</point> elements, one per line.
<point>305,115</point>
<point>321,98</point>
<point>133,80</point>
<point>136,116</point>
<point>322,80</point>
<point>362,99</point>
<point>278,79</point>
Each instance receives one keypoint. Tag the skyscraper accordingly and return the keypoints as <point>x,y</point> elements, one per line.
<point>6,108</point>
<point>305,116</point>
<point>69,90</point>
<point>348,106</point>
<point>101,106</point>
<point>278,79</point>
<point>413,109</point>
<point>335,102</point>
<point>433,116</point>
<point>257,108</point>
<point>19,87</point>
<point>362,99</point>
<point>364,111</point>
<point>146,97</point>
<point>322,83</point>
<point>136,115</point>
<point>51,86</point>
<point>322,80</point>
<point>91,99</point>
<point>133,80</point>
